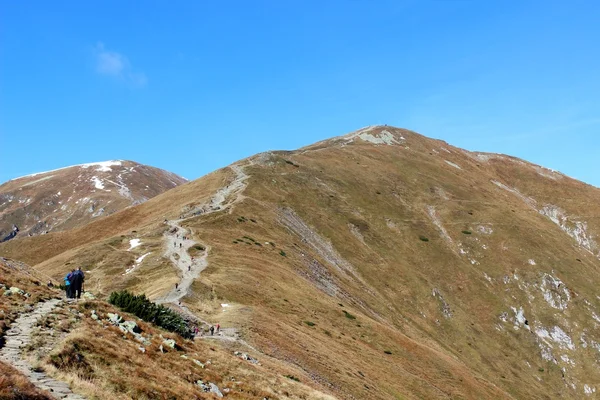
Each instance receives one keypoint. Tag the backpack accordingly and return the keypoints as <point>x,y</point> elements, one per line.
<point>67,281</point>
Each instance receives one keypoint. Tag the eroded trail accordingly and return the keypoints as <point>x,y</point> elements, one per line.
<point>177,249</point>
<point>19,336</point>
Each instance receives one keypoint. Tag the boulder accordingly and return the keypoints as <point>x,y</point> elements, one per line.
<point>88,296</point>
<point>130,326</point>
<point>170,342</point>
<point>215,389</point>
<point>114,318</point>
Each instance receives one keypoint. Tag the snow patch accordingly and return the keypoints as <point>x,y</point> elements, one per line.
<point>97,183</point>
<point>555,292</point>
<point>138,261</point>
<point>133,243</point>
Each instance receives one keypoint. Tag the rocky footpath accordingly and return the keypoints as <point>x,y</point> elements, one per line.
<point>19,336</point>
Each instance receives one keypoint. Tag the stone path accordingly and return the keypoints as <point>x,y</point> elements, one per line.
<point>19,336</point>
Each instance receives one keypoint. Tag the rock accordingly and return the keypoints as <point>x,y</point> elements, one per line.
<point>142,349</point>
<point>94,315</point>
<point>114,318</point>
<point>88,296</point>
<point>161,348</point>
<point>7,293</point>
<point>170,342</point>
<point>16,290</point>
<point>130,326</point>
<point>198,363</point>
<point>215,389</point>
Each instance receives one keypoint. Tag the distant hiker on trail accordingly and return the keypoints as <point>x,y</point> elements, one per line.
<point>68,291</point>
<point>179,245</point>
<point>176,285</point>
<point>174,244</point>
<point>189,268</point>
<point>218,328</point>
<point>212,330</point>
<point>77,279</point>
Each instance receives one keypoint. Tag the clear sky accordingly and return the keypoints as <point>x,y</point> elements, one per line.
<point>191,86</point>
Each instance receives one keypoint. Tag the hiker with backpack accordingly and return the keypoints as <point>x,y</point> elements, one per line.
<point>68,288</point>
<point>77,279</point>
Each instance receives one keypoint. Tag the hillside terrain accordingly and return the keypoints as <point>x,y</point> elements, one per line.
<point>73,196</point>
<point>378,265</point>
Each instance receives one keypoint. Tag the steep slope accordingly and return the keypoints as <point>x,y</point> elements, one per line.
<point>382,263</point>
<point>73,196</point>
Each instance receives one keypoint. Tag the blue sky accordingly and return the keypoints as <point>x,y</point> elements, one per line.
<point>191,86</point>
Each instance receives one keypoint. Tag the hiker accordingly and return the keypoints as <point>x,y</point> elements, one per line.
<point>68,291</point>
<point>179,245</point>
<point>218,327</point>
<point>189,268</point>
<point>212,330</point>
<point>174,244</point>
<point>176,285</point>
<point>77,282</point>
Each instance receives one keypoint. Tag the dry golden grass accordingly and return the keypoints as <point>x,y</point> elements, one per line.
<point>101,362</point>
<point>15,386</point>
<point>295,304</point>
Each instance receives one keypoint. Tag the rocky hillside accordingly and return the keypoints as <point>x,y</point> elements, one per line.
<point>73,196</point>
<point>380,264</point>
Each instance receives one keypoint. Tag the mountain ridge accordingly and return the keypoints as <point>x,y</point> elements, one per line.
<point>413,269</point>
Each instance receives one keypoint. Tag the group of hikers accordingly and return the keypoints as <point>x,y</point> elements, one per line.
<point>74,283</point>
<point>212,330</point>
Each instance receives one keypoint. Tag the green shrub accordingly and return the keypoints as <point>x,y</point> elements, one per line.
<point>292,377</point>
<point>387,352</point>
<point>309,323</point>
<point>282,253</point>
<point>466,232</point>
<point>423,238</point>
<point>348,315</point>
<point>151,312</point>
<point>199,247</point>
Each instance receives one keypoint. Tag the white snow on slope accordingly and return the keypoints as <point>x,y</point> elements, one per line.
<point>97,183</point>
<point>133,243</point>
<point>104,166</point>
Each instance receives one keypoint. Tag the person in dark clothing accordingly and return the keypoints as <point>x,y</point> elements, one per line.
<point>212,330</point>
<point>77,283</point>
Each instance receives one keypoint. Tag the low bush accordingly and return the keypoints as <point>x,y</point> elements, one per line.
<point>292,377</point>
<point>466,232</point>
<point>309,323</point>
<point>423,238</point>
<point>282,253</point>
<point>348,315</point>
<point>151,312</point>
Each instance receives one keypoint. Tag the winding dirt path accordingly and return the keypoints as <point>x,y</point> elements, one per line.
<point>19,336</point>
<point>177,249</point>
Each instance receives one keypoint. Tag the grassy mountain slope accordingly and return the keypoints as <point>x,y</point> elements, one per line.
<point>73,196</point>
<point>383,264</point>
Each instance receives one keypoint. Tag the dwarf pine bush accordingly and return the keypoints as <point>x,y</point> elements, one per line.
<point>150,312</point>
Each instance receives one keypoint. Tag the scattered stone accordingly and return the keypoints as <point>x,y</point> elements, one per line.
<point>89,296</point>
<point>198,363</point>
<point>130,326</point>
<point>94,315</point>
<point>170,342</point>
<point>215,389</point>
<point>246,357</point>
<point>114,318</point>
<point>162,350</point>
<point>142,349</point>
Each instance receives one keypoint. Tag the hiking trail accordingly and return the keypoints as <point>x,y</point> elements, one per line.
<point>177,249</point>
<point>19,336</point>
